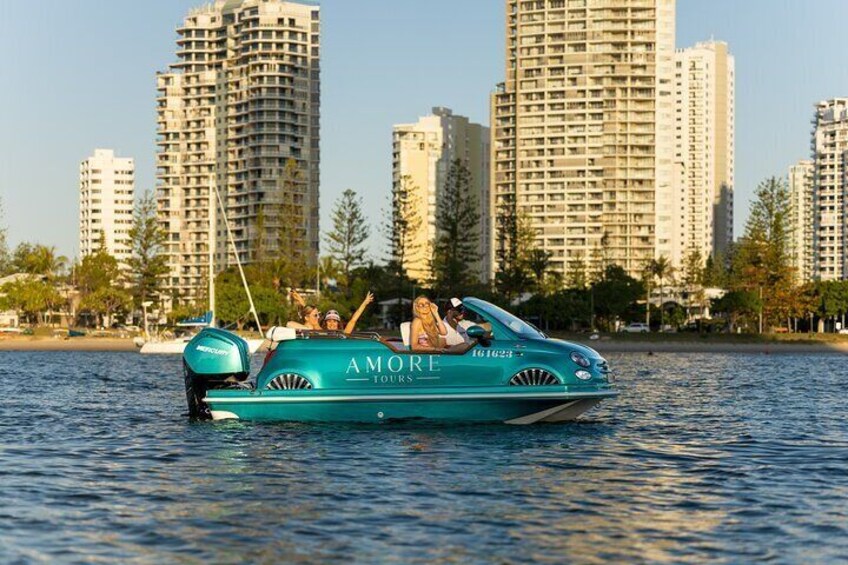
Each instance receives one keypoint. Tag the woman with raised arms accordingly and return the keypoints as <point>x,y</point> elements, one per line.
<point>332,320</point>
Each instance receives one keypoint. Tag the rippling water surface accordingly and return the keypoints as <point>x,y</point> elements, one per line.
<point>727,458</point>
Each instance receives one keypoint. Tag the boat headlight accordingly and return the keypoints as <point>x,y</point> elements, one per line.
<point>583,375</point>
<point>580,359</point>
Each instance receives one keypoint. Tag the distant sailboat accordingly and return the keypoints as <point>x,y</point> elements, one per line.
<point>177,345</point>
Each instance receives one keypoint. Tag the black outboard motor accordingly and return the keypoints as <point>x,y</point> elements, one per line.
<point>213,359</point>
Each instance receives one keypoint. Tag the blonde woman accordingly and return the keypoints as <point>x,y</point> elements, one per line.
<point>309,314</point>
<point>428,331</point>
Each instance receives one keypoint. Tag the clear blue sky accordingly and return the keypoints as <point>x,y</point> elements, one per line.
<point>79,75</point>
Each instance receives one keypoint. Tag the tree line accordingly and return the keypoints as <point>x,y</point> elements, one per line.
<point>91,291</point>
<point>762,289</point>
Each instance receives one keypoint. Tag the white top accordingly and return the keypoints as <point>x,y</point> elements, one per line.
<point>456,336</point>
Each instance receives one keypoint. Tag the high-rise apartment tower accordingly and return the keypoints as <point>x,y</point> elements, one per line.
<point>107,185</point>
<point>239,111</point>
<point>583,129</point>
<point>801,219</point>
<point>830,151</point>
<point>704,150</point>
<point>422,154</point>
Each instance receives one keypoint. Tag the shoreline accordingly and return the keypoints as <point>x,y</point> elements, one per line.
<point>765,348</point>
<point>29,343</point>
<point>603,345</point>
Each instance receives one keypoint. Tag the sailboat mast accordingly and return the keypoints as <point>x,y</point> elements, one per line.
<point>213,229</point>
<point>238,260</point>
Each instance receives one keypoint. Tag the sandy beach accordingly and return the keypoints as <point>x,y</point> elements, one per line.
<point>29,343</point>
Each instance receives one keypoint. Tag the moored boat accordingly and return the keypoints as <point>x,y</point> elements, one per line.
<point>509,372</point>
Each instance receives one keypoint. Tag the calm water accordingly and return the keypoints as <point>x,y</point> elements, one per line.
<point>726,458</point>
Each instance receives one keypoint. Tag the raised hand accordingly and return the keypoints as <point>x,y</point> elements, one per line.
<point>295,295</point>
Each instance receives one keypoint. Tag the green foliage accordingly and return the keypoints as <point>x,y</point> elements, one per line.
<point>233,308</point>
<point>738,305</point>
<point>32,296</point>
<point>37,259</point>
<point>403,224</point>
<point>539,262</point>
<point>147,265</point>
<point>829,298</point>
<point>5,260</point>
<point>455,257</point>
<point>760,261</point>
<point>346,241</point>
<point>231,304</point>
<point>96,271</point>
<point>614,294</point>
<point>564,309</point>
<point>107,301</point>
<point>663,270</point>
<point>100,282</point>
<point>514,241</point>
<point>575,277</point>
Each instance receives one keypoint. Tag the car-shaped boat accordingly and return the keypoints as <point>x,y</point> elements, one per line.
<point>509,372</point>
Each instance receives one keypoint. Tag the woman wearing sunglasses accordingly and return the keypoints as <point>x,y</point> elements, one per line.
<point>309,314</point>
<point>332,320</point>
<point>428,331</point>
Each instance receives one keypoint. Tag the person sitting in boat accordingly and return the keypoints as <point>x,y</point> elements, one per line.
<point>311,319</point>
<point>333,321</point>
<point>309,315</point>
<point>428,330</point>
<point>456,332</point>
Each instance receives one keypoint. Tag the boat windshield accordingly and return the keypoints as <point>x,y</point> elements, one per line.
<point>521,328</point>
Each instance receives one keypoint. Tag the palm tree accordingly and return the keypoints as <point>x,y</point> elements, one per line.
<point>662,269</point>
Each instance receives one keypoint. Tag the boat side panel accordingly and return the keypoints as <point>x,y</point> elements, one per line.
<point>368,364</point>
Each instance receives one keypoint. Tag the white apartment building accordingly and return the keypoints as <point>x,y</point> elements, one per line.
<point>107,190</point>
<point>422,154</point>
<point>704,150</point>
<point>239,111</point>
<point>830,150</point>
<point>800,222</point>
<point>583,129</point>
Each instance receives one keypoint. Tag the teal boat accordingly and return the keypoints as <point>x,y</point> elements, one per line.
<point>510,372</point>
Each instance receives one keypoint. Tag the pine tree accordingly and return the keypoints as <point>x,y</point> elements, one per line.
<point>147,265</point>
<point>403,223</point>
<point>760,261</point>
<point>455,257</point>
<point>346,243</point>
<point>514,239</point>
<point>291,267</point>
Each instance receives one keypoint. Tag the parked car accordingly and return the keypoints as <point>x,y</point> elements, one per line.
<point>636,328</point>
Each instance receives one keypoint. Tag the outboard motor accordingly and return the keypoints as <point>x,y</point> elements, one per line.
<point>213,359</point>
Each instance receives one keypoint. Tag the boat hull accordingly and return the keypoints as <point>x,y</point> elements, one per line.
<point>513,408</point>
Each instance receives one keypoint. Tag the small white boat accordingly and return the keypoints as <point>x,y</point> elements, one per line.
<point>177,346</point>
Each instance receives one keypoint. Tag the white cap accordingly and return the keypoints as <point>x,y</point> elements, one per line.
<point>455,302</point>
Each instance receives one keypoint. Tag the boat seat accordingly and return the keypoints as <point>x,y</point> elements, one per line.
<point>277,334</point>
<point>405,328</point>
